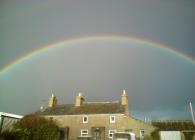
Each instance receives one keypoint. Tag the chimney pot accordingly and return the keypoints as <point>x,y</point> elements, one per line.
<point>124,101</point>
<point>52,101</point>
<point>79,99</point>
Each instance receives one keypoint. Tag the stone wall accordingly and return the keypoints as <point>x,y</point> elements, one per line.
<point>122,123</point>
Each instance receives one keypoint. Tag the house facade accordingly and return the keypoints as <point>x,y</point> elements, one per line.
<point>97,119</point>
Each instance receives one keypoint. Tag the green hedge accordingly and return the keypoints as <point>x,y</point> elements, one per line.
<point>33,127</point>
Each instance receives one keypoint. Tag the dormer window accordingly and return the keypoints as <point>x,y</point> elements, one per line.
<point>112,118</point>
<point>85,119</point>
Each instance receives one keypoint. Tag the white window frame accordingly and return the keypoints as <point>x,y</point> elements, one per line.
<point>112,118</point>
<point>140,133</point>
<point>110,133</point>
<point>84,119</point>
<point>84,133</point>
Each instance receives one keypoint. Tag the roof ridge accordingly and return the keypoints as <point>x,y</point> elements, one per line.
<point>87,108</point>
<point>101,102</point>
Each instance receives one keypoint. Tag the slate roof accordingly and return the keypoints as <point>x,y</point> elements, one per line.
<point>86,108</point>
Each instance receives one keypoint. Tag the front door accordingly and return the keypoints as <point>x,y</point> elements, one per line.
<point>98,133</point>
<point>64,133</point>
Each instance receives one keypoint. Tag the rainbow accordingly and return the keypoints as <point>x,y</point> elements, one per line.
<point>68,42</point>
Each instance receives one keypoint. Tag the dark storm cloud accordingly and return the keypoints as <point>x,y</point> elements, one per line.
<point>155,80</point>
<point>31,24</point>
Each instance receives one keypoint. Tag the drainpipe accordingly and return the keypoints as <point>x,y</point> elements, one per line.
<point>192,113</point>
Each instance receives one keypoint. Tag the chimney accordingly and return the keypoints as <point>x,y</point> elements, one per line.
<point>124,101</point>
<point>52,101</point>
<point>79,99</point>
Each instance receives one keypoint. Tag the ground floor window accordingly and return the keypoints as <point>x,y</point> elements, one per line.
<point>84,132</point>
<point>111,132</point>
<point>142,133</point>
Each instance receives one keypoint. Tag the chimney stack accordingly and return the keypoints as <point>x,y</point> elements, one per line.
<point>52,101</point>
<point>124,102</point>
<point>79,100</point>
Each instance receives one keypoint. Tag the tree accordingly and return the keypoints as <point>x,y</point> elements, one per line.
<point>34,127</point>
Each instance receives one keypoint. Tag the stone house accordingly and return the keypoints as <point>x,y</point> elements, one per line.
<point>97,119</point>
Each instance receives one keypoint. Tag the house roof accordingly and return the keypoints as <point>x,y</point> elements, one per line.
<point>85,108</point>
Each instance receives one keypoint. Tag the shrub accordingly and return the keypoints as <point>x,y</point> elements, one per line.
<point>33,127</point>
<point>9,135</point>
<point>155,135</point>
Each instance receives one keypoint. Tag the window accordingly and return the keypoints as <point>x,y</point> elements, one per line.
<point>85,119</point>
<point>84,132</point>
<point>142,133</point>
<point>112,119</point>
<point>111,132</point>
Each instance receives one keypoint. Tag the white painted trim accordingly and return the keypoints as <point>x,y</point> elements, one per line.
<point>10,115</point>
<point>140,133</point>
<point>111,131</point>
<point>83,134</point>
<point>85,116</point>
<point>111,118</point>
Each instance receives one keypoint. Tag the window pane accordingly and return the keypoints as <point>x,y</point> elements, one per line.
<point>84,132</point>
<point>85,119</point>
<point>112,119</point>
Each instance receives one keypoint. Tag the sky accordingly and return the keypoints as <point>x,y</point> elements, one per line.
<point>159,80</point>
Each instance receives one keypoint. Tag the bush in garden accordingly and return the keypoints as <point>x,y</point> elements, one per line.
<point>32,127</point>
